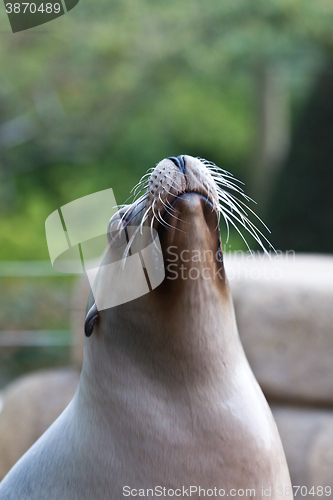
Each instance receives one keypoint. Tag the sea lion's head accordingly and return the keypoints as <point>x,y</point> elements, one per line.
<point>181,200</point>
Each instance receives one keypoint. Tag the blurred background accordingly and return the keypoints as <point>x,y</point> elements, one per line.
<point>95,98</point>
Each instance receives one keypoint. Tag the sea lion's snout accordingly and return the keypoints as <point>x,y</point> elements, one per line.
<point>171,179</point>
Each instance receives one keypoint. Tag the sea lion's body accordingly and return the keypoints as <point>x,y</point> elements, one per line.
<point>166,396</point>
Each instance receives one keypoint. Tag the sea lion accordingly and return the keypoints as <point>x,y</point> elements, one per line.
<point>167,403</point>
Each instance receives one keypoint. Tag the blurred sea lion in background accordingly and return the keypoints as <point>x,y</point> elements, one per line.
<point>30,405</point>
<point>166,396</point>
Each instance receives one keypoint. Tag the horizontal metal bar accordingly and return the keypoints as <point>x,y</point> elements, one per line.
<point>29,268</point>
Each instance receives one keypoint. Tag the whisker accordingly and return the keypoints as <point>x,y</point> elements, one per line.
<point>165,206</point>
<point>174,182</point>
<point>246,220</point>
<point>152,235</point>
<point>233,204</point>
<point>224,175</point>
<point>133,216</point>
<point>171,194</point>
<point>167,224</point>
<point>130,207</point>
<point>226,223</point>
<point>172,227</point>
<point>148,174</point>
<point>233,210</point>
<point>128,246</point>
<point>160,220</point>
<point>145,217</point>
<point>171,215</point>
<point>144,187</point>
<point>170,206</point>
<point>132,195</point>
<point>251,229</point>
<point>235,226</point>
<point>229,185</point>
<point>248,208</point>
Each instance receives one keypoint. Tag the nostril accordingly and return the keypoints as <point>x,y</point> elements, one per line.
<point>179,161</point>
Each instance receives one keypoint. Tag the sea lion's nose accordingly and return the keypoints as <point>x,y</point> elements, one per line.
<point>179,161</point>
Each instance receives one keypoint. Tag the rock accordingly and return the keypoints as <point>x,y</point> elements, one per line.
<point>285,316</point>
<point>29,406</point>
<point>307,438</point>
<point>321,456</point>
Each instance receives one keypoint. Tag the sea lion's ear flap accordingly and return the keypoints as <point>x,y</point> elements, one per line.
<point>90,320</point>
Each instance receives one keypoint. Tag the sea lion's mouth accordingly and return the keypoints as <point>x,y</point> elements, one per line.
<point>191,213</point>
<point>183,200</point>
<point>201,195</point>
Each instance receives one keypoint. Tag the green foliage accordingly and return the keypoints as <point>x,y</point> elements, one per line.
<point>96,97</point>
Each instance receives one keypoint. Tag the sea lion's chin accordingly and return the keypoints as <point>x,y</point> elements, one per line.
<point>191,242</point>
<point>190,207</point>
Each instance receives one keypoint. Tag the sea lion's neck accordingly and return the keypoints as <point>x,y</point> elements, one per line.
<point>163,338</point>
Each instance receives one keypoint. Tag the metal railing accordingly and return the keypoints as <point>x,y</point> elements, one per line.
<point>32,338</point>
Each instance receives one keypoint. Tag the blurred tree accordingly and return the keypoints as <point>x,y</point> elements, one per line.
<point>101,94</point>
<point>301,208</point>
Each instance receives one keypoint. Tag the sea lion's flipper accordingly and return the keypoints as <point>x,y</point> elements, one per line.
<point>90,320</point>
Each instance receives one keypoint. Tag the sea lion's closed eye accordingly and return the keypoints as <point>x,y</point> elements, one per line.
<point>90,320</point>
